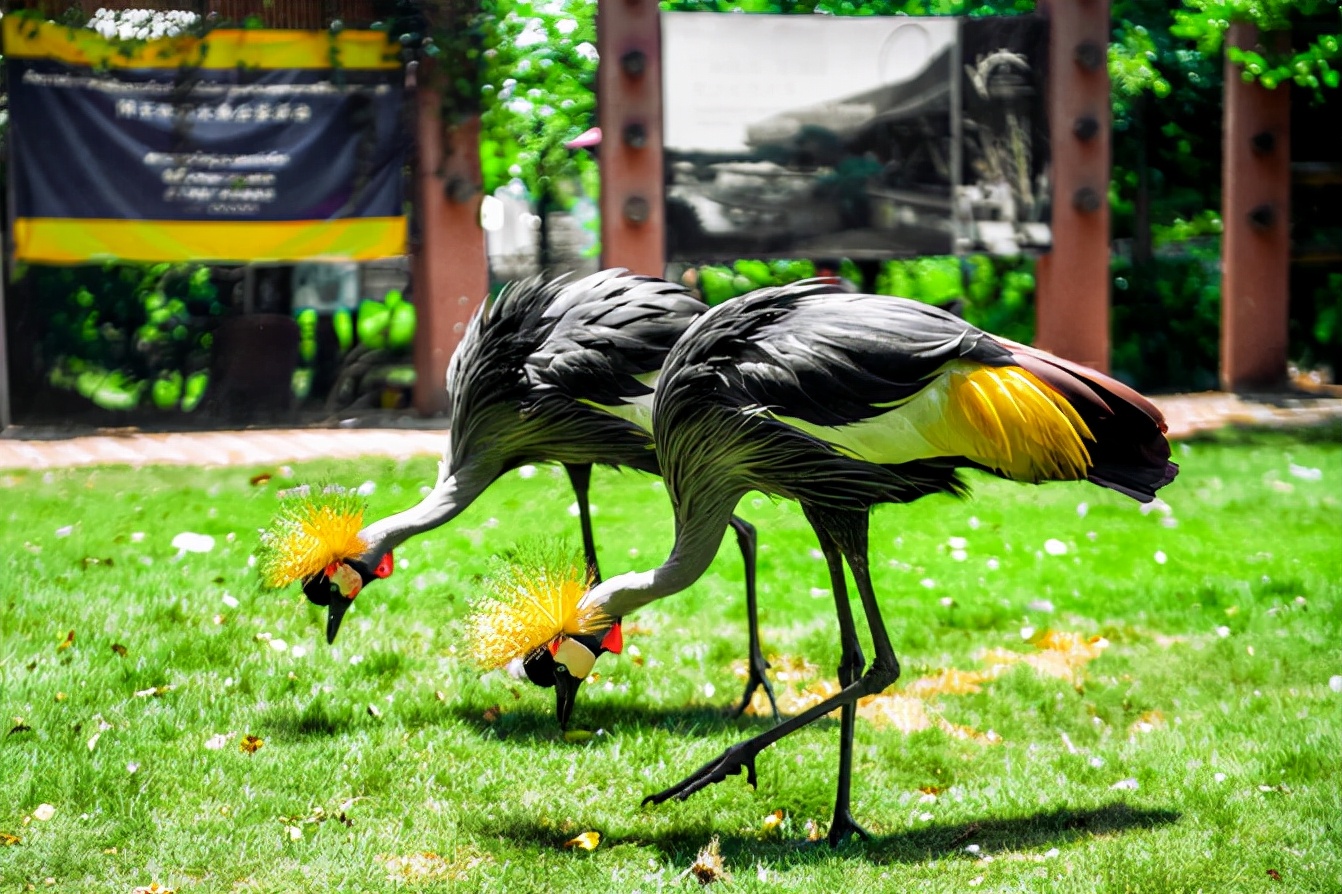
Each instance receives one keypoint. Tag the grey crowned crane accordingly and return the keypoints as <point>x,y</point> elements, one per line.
<point>551,371</point>
<point>843,402</point>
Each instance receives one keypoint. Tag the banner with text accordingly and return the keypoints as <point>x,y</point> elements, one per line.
<point>238,146</point>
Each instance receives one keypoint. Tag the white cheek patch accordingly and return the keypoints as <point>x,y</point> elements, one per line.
<point>347,580</point>
<point>576,657</point>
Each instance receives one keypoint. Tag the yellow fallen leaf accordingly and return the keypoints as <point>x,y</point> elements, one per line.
<point>587,841</point>
<point>251,744</point>
<point>708,866</point>
<point>69,641</point>
<point>492,714</point>
<point>773,821</point>
<point>577,735</point>
<point>6,839</point>
<point>119,649</point>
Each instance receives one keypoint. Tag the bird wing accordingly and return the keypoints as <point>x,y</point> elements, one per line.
<point>611,334</point>
<point>892,381</point>
<point>829,357</point>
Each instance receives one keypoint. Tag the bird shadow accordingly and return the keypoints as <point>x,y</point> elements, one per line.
<point>992,835</point>
<point>536,724</point>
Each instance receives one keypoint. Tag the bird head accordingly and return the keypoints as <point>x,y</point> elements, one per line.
<point>566,661</point>
<point>316,537</point>
<point>535,609</point>
<point>336,585</point>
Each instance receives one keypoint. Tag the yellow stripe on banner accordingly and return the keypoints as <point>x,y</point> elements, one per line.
<point>45,240</point>
<point>28,38</point>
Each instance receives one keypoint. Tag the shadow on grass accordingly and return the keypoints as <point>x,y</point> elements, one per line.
<point>1024,833</point>
<point>535,724</point>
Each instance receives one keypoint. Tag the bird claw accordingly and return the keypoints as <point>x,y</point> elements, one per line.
<point>843,828</point>
<point>729,763</point>
<point>757,680</point>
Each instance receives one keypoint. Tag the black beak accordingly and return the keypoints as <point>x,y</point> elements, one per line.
<point>566,691</point>
<point>335,613</point>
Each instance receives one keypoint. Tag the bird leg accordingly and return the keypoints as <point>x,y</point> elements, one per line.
<point>580,476</point>
<point>755,662</point>
<point>850,670</point>
<point>741,756</point>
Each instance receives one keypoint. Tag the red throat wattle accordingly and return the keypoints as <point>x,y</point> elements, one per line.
<point>614,640</point>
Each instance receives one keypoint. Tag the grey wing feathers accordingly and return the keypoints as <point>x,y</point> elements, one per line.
<point>611,329</point>
<point>826,356</point>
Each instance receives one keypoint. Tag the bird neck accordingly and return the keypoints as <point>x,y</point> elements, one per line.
<point>456,489</point>
<point>697,541</point>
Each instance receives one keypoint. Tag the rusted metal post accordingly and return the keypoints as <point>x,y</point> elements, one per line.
<point>1256,213</point>
<point>629,96</point>
<point>1072,302</point>
<point>450,267</point>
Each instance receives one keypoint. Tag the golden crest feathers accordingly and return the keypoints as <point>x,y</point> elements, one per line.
<point>314,527</point>
<point>530,601</point>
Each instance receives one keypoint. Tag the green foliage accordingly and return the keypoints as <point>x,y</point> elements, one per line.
<point>538,91</point>
<point>1311,64</point>
<point>1166,318</point>
<point>117,331</point>
<point>997,292</point>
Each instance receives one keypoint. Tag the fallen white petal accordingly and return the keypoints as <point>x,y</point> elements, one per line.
<point>65,531</point>
<point>1055,547</point>
<point>1222,631</point>
<point>279,645</point>
<point>193,543</point>
<point>1097,762</point>
<point>1051,853</point>
<point>1082,509</point>
<point>217,742</point>
<point>132,767</point>
<point>1040,605</point>
<point>957,543</point>
<point>1219,777</point>
<point>526,471</point>
<point>993,564</point>
<point>1306,472</point>
<point>1335,683</point>
<point>974,523</point>
<point>928,582</point>
<point>137,537</point>
<point>709,690</point>
<point>819,592</point>
<point>1125,785</point>
<point>959,555</point>
<point>298,651</point>
<point>367,489</point>
<point>44,812</point>
<point>230,601</point>
<point>1160,557</point>
<point>1026,632</point>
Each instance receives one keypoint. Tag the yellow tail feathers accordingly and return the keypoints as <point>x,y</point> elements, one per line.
<point>1008,420</point>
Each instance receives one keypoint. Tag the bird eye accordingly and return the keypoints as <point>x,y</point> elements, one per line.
<point>561,668</point>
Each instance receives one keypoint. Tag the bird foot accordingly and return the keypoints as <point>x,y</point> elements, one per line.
<point>757,680</point>
<point>729,763</point>
<point>845,827</point>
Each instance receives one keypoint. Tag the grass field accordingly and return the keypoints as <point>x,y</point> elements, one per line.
<point>1094,698</point>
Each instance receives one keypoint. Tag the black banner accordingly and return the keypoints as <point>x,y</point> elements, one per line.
<point>243,145</point>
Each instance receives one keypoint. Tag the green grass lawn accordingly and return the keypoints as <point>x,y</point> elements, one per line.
<point>1198,751</point>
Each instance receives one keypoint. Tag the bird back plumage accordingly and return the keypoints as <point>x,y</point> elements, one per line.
<point>880,399</point>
